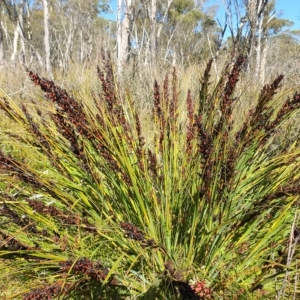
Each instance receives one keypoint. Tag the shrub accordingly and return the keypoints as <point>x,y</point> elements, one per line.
<point>200,208</point>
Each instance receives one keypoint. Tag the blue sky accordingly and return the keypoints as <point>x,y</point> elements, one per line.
<point>286,9</point>
<point>290,10</point>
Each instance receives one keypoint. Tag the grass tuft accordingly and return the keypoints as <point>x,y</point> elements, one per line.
<point>197,208</point>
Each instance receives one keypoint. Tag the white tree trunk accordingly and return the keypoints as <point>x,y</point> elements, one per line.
<point>255,14</point>
<point>82,46</point>
<point>264,52</point>
<point>1,47</point>
<point>124,30</point>
<point>21,31</point>
<point>15,44</point>
<point>19,34</point>
<point>119,37</point>
<point>152,31</point>
<point>1,39</point>
<point>252,18</point>
<point>69,45</point>
<point>258,47</point>
<point>47,39</point>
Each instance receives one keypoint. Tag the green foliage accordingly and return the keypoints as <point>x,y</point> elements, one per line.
<point>184,11</point>
<point>198,208</point>
<point>276,25</point>
<point>271,24</point>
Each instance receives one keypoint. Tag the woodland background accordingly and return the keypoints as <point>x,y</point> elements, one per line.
<point>52,34</point>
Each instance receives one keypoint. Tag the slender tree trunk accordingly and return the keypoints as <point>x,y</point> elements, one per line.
<point>39,58</point>
<point>152,31</point>
<point>81,49</point>
<point>28,25</point>
<point>125,33</point>
<point>1,47</point>
<point>69,46</point>
<point>21,31</point>
<point>255,13</point>
<point>264,50</point>
<point>15,44</point>
<point>19,34</point>
<point>252,18</point>
<point>124,30</point>
<point>258,46</point>
<point>119,37</point>
<point>47,39</point>
<point>164,18</point>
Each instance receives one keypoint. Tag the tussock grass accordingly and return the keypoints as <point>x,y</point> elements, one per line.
<point>184,201</point>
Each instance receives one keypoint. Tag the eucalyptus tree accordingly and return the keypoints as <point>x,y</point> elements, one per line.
<point>251,23</point>
<point>76,31</point>
<point>124,25</point>
<point>52,32</point>
<point>185,28</point>
<point>19,14</point>
<point>169,31</point>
